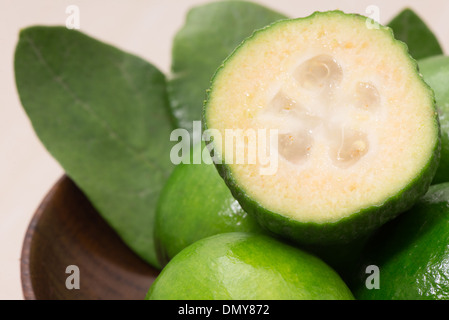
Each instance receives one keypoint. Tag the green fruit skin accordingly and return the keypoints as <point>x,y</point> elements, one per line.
<point>245,266</point>
<point>435,71</point>
<point>359,224</point>
<point>195,203</point>
<point>412,253</point>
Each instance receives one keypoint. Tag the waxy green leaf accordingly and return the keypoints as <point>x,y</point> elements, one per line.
<point>211,32</point>
<point>409,28</point>
<point>103,114</point>
<point>435,71</point>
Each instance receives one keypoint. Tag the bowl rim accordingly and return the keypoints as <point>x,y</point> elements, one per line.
<point>25,270</point>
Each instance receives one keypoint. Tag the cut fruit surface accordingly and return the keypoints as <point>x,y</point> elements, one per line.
<point>358,134</point>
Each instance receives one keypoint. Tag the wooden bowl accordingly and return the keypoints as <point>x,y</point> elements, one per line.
<point>66,230</point>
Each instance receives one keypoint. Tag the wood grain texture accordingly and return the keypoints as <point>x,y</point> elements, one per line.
<point>66,230</point>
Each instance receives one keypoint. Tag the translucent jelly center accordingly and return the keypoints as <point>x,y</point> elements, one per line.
<point>348,147</point>
<point>322,110</point>
<point>295,147</point>
<point>319,73</point>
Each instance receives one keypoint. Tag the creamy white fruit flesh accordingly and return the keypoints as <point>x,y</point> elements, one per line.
<point>356,123</point>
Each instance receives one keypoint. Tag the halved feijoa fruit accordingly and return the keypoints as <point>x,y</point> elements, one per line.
<point>357,130</point>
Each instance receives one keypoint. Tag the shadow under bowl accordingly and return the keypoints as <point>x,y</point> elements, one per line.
<point>67,231</point>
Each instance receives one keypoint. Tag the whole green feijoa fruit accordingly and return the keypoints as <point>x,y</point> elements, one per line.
<point>242,266</point>
<point>409,254</point>
<point>351,127</point>
<point>195,203</point>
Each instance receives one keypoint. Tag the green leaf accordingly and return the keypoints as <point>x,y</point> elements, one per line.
<point>409,28</point>
<point>435,71</point>
<point>103,114</point>
<point>211,32</point>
